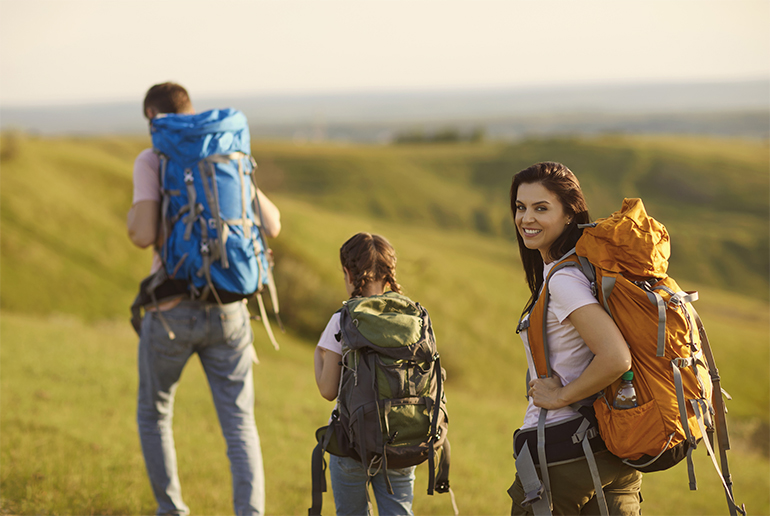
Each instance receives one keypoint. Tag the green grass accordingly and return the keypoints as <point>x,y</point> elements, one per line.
<point>68,386</point>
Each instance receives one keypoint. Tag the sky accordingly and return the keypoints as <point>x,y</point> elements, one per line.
<point>92,51</point>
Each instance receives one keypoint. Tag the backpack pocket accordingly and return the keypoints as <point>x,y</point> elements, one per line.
<point>632,433</point>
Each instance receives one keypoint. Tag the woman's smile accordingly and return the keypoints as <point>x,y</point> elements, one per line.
<point>540,217</point>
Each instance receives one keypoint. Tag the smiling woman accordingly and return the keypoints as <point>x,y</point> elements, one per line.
<point>585,351</point>
<point>540,218</point>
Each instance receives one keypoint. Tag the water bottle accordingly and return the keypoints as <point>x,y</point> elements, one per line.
<point>626,396</point>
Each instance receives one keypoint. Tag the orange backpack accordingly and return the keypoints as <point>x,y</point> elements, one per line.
<point>676,380</point>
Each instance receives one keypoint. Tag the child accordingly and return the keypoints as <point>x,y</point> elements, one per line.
<point>369,267</point>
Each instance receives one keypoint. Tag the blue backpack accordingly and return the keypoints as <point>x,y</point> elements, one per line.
<point>210,215</point>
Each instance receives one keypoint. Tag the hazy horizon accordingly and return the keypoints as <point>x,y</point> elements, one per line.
<point>83,51</point>
<point>726,108</point>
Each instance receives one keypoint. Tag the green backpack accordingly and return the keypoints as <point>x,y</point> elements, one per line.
<point>391,407</point>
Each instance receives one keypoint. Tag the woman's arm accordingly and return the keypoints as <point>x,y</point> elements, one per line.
<point>612,359</point>
<point>327,372</point>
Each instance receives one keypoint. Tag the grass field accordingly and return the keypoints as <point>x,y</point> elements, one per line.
<point>68,441</point>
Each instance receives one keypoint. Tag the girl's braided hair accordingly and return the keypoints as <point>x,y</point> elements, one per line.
<point>369,258</point>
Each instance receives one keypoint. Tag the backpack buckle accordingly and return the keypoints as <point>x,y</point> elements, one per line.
<point>681,362</point>
<point>204,247</point>
<point>533,496</point>
<point>188,176</point>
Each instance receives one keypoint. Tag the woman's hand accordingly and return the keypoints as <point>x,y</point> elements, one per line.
<point>545,393</point>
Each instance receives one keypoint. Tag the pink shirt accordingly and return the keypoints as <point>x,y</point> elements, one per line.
<point>147,187</point>
<point>568,353</point>
<point>147,177</point>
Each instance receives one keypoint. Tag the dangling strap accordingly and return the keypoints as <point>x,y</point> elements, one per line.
<point>719,415</point>
<point>542,458</point>
<point>535,494</point>
<point>700,410</point>
<point>675,365</point>
<point>263,316</point>
<point>318,475</point>
<point>442,478</point>
<point>434,425</point>
<point>268,253</point>
<point>582,435</point>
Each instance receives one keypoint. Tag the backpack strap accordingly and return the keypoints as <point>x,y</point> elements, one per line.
<point>318,475</point>
<point>265,248</point>
<point>542,458</point>
<point>535,494</point>
<point>434,432</point>
<point>537,311</point>
<point>442,478</point>
<point>265,321</point>
<point>723,440</point>
<point>583,435</point>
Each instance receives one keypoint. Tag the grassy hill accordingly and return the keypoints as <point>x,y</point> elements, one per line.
<point>67,391</point>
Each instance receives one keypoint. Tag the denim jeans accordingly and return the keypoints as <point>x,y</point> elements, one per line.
<point>221,336</point>
<point>348,478</point>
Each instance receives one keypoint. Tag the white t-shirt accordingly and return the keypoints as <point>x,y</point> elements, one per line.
<point>568,353</point>
<point>328,339</point>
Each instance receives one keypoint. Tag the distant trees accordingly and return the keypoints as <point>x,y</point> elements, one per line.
<point>443,135</point>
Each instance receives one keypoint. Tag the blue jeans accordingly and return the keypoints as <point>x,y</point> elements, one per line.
<point>221,336</point>
<point>348,478</point>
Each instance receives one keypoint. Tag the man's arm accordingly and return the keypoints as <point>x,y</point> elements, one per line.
<point>271,217</point>
<point>142,223</point>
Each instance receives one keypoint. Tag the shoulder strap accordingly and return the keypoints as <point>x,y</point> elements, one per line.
<point>538,344</point>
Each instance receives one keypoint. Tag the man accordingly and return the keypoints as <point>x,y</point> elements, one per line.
<point>219,333</point>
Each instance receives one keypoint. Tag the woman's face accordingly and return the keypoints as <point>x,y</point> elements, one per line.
<point>540,217</point>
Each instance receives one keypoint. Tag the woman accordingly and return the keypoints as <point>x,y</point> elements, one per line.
<point>586,350</point>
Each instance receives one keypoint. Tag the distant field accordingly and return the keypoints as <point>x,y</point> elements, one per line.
<point>69,445</point>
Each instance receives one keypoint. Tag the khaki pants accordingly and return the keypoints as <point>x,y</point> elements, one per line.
<point>573,491</point>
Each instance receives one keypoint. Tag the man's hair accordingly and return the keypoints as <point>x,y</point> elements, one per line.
<point>167,97</point>
<point>369,258</point>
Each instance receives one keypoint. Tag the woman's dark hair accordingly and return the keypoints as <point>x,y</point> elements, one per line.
<point>560,181</point>
<point>369,258</point>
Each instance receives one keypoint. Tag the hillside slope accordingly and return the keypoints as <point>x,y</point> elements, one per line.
<point>69,273</point>
<point>63,204</point>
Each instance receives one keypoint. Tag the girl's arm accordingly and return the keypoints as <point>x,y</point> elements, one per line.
<point>327,372</point>
<point>612,359</point>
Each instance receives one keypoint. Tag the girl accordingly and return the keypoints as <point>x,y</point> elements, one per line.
<point>587,351</point>
<point>369,268</point>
